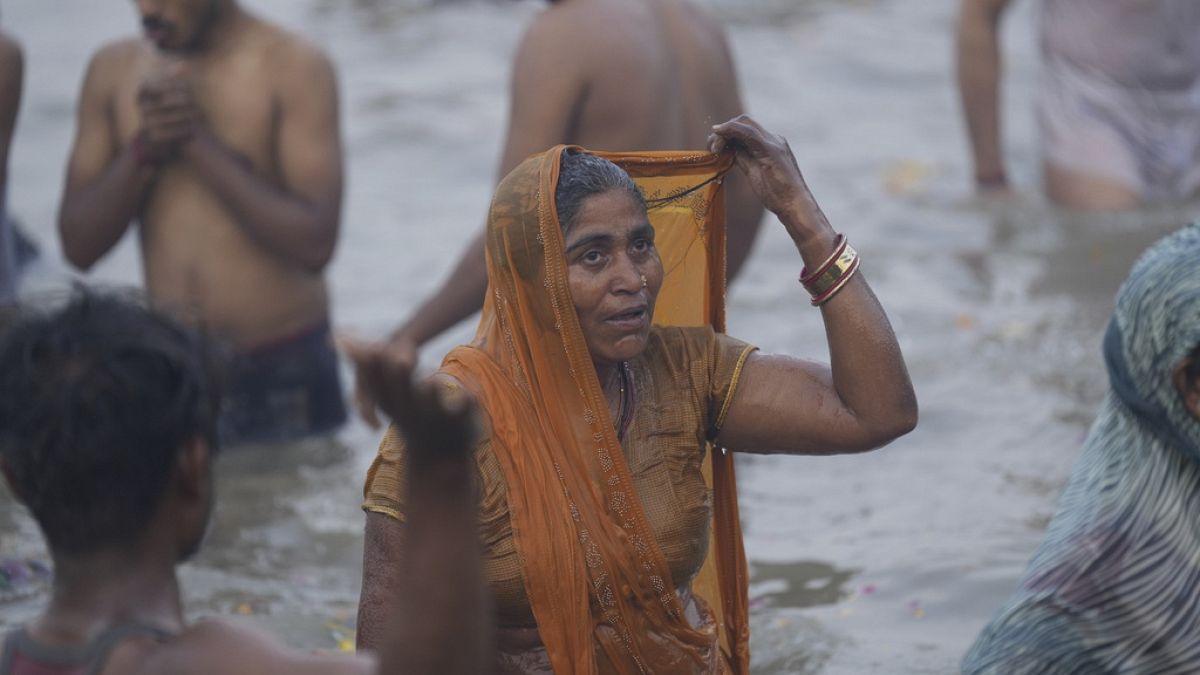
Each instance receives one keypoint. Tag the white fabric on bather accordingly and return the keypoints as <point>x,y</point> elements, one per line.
<point>1120,92</point>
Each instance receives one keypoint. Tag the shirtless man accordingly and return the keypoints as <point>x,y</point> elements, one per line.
<point>219,134</point>
<point>119,480</point>
<point>606,75</point>
<point>11,73</point>
<point>1119,103</point>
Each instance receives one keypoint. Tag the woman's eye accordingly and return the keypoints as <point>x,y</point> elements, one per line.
<point>642,245</point>
<point>591,257</point>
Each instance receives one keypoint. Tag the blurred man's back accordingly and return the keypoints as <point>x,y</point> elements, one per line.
<point>615,75</point>
<point>649,75</point>
<point>638,74</point>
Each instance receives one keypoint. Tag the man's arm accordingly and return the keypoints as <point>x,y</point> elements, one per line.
<point>547,86</point>
<point>424,605</point>
<point>105,183</point>
<point>979,67</point>
<point>297,216</point>
<point>440,621</point>
<point>432,615</point>
<point>218,646</point>
<point>383,574</point>
<point>12,68</point>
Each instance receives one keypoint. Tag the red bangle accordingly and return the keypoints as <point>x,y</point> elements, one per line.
<point>839,285</point>
<point>839,245</point>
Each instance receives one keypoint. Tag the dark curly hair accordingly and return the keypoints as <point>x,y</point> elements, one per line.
<point>97,397</point>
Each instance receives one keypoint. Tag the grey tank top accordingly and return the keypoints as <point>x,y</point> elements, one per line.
<point>22,653</point>
<point>1147,44</point>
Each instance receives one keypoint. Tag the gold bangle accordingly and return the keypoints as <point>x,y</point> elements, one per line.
<point>838,285</point>
<point>829,277</point>
<point>839,245</point>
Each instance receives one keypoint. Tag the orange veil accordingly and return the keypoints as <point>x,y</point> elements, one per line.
<point>598,584</point>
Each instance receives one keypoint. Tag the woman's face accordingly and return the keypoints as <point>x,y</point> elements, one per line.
<point>614,274</point>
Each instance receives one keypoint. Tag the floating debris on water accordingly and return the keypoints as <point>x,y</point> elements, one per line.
<point>22,578</point>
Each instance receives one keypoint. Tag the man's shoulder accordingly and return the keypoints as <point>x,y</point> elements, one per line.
<point>205,645</point>
<point>563,37</point>
<point>580,30</point>
<point>222,646</point>
<point>292,54</point>
<point>563,24</point>
<point>120,51</point>
<point>115,58</point>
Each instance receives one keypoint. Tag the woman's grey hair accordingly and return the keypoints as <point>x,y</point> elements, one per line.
<point>580,176</point>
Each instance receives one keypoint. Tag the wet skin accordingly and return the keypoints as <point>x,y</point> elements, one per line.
<point>238,206</point>
<point>614,274</point>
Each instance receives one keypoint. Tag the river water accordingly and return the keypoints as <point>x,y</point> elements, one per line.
<point>888,562</point>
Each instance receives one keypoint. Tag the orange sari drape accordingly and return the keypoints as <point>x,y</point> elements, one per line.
<point>597,582</point>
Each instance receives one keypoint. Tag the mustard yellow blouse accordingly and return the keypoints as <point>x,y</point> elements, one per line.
<point>684,382</point>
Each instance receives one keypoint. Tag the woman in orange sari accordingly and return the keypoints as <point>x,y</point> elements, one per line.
<point>600,476</point>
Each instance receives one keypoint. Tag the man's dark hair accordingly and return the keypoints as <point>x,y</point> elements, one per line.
<point>97,398</point>
<point>580,176</point>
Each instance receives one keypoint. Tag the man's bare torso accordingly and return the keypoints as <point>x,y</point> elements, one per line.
<point>195,254</point>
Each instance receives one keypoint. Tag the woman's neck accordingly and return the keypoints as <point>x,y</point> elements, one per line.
<point>607,373</point>
<point>611,380</point>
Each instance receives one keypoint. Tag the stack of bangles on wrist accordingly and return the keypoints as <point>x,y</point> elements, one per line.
<point>833,274</point>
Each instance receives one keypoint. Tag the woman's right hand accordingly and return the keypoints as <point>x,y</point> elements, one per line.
<point>774,175</point>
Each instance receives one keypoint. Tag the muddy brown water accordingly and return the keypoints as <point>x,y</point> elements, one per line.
<point>888,562</point>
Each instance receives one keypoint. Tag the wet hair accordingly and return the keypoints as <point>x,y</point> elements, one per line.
<point>97,398</point>
<point>580,176</point>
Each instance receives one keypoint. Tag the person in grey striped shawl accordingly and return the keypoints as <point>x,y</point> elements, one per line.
<point>1115,585</point>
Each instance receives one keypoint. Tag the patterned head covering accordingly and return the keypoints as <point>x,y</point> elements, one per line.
<point>1115,586</point>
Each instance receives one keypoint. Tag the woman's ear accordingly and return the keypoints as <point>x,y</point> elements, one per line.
<point>1186,378</point>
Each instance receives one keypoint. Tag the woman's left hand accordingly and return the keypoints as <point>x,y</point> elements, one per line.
<point>771,168</point>
<point>865,398</point>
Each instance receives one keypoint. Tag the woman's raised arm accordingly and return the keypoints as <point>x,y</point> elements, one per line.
<point>864,398</point>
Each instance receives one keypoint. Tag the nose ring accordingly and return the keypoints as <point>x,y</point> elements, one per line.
<point>643,281</point>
